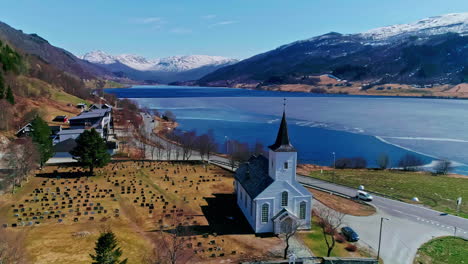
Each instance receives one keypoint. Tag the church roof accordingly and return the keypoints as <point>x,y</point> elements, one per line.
<point>253,175</point>
<point>282,143</point>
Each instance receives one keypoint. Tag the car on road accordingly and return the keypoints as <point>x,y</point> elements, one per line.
<point>362,195</point>
<point>349,234</point>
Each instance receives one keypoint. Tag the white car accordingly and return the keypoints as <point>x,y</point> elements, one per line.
<point>362,195</point>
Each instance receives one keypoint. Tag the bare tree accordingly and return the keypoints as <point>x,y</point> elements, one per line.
<point>410,162</point>
<point>288,231</point>
<point>159,153</point>
<point>211,145</point>
<point>12,248</point>
<point>383,161</point>
<point>443,167</point>
<point>152,148</point>
<point>259,149</point>
<point>329,221</point>
<point>187,142</point>
<point>168,146</point>
<point>237,152</point>
<point>22,157</point>
<point>6,115</point>
<point>171,244</point>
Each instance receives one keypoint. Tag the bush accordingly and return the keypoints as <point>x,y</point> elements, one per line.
<point>351,248</point>
<point>339,238</point>
<point>351,163</point>
<point>318,90</point>
<point>410,162</point>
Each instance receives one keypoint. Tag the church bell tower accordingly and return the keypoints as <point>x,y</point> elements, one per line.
<point>282,156</point>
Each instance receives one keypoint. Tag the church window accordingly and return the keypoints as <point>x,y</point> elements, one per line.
<point>302,210</point>
<point>265,213</point>
<point>284,198</point>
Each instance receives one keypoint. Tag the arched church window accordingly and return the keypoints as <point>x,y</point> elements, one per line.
<point>265,213</point>
<point>284,198</point>
<point>302,210</point>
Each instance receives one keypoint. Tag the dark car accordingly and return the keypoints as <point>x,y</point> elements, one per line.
<point>349,233</point>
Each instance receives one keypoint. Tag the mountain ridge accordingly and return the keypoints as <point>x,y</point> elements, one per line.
<point>62,59</point>
<point>168,69</point>
<point>430,50</point>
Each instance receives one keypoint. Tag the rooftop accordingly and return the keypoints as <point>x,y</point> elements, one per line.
<point>253,175</point>
<point>97,113</point>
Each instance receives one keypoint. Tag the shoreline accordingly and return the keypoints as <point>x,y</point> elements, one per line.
<point>331,94</point>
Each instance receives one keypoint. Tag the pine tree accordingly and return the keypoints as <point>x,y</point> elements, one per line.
<point>91,150</point>
<point>41,137</point>
<point>2,86</point>
<point>9,96</point>
<point>107,251</point>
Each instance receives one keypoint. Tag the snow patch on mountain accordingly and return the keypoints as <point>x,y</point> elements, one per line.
<point>169,64</point>
<point>449,23</point>
<point>455,23</point>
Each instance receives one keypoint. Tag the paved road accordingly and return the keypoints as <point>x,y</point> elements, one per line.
<point>401,209</point>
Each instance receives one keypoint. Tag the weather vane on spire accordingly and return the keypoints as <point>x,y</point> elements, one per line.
<point>284,104</point>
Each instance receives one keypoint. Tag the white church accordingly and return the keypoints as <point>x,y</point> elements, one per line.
<point>267,191</point>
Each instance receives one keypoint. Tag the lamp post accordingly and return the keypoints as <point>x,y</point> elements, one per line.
<point>380,236</point>
<point>334,160</point>
<point>226,138</point>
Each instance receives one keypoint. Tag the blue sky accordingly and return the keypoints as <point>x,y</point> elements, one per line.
<point>232,28</point>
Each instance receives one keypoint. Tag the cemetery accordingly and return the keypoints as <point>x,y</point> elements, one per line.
<point>143,202</point>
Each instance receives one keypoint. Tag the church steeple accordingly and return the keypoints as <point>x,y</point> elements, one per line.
<point>282,143</point>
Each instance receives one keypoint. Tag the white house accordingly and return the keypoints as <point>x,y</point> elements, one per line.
<point>267,191</point>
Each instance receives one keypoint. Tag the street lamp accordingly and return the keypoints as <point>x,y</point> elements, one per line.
<point>334,160</point>
<point>380,236</point>
<point>227,145</point>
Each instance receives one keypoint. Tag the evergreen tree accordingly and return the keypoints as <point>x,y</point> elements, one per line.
<point>9,96</point>
<point>107,251</point>
<point>91,150</point>
<point>41,137</point>
<point>2,86</point>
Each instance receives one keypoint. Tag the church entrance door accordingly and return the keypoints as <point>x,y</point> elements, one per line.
<point>286,225</point>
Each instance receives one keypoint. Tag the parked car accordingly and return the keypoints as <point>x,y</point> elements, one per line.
<point>349,234</point>
<point>364,196</point>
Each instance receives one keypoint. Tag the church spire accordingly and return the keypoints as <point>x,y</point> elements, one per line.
<point>282,143</point>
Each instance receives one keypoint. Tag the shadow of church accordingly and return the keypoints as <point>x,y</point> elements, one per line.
<point>223,216</point>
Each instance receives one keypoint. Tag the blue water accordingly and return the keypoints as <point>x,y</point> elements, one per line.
<point>350,126</point>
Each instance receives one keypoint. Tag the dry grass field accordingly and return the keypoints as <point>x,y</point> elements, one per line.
<point>61,213</point>
<point>343,205</point>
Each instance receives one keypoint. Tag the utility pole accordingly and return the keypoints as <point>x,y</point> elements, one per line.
<point>380,237</point>
<point>334,160</point>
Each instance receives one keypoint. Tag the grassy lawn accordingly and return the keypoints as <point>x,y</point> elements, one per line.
<point>66,98</point>
<point>437,192</point>
<point>315,241</point>
<point>445,250</point>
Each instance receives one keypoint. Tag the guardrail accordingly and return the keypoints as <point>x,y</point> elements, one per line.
<point>224,163</point>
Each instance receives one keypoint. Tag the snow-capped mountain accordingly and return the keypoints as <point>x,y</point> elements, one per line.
<point>163,70</point>
<point>429,51</point>
<point>168,64</point>
<point>185,63</point>
<point>454,23</point>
